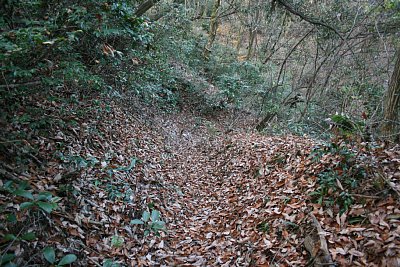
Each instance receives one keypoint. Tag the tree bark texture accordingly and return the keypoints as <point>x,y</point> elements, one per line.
<point>390,128</point>
<point>253,31</point>
<point>143,7</point>
<point>212,32</point>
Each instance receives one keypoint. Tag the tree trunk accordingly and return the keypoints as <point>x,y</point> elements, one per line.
<point>252,37</point>
<point>264,122</point>
<point>143,7</point>
<point>239,41</point>
<point>390,126</point>
<point>212,32</point>
<point>253,32</point>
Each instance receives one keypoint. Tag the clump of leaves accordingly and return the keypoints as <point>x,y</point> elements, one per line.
<point>151,222</point>
<point>340,178</point>
<point>346,127</point>
<point>263,227</point>
<point>42,200</point>
<point>50,255</point>
<point>117,241</point>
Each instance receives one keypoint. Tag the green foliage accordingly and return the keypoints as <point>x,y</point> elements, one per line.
<point>239,82</point>
<point>393,5</point>
<point>30,236</point>
<point>346,127</point>
<point>263,227</point>
<point>343,123</point>
<point>110,263</point>
<point>340,177</point>
<point>18,192</point>
<point>6,258</point>
<point>231,87</point>
<point>43,200</point>
<point>151,222</point>
<point>50,255</point>
<point>61,43</point>
<point>77,162</point>
<point>120,192</point>
<point>117,241</point>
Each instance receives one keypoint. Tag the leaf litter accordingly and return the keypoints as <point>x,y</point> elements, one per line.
<point>227,199</point>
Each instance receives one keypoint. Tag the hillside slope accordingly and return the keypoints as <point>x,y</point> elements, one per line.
<point>227,196</point>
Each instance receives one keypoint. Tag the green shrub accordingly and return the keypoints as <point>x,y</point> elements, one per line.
<point>60,43</point>
<point>340,177</point>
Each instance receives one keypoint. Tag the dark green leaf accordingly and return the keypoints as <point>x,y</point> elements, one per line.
<point>46,206</point>
<point>12,218</point>
<point>110,263</point>
<point>8,186</point>
<point>6,258</point>
<point>155,215</point>
<point>23,193</point>
<point>28,236</point>
<point>44,196</point>
<point>130,167</point>
<point>9,237</point>
<point>10,264</point>
<point>137,221</point>
<point>67,259</point>
<point>49,254</point>
<point>159,225</point>
<point>146,216</point>
<point>26,205</point>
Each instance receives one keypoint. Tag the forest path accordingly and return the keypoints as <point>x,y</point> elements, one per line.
<point>222,204</point>
<point>233,197</point>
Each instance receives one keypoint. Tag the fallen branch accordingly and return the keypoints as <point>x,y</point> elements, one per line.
<point>316,245</point>
<point>365,196</point>
<point>9,175</point>
<point>16,85</point>
<point>11,141</point>
<point>390,184</point>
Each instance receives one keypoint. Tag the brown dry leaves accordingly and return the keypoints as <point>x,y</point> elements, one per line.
<point>228,200</point>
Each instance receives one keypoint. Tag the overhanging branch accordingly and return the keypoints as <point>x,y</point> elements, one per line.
<point>146,5</point>
<point>309,19</point>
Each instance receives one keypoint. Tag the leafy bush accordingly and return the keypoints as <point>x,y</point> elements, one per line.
<point>42,201</point>
<point>151,222</point>
<point>339,178</point>
<point>61,43</point>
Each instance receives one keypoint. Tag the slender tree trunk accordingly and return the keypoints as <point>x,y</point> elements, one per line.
<point>239,40</point>
<point>252,37</point>
<point>212,32</point>
<point>253,33</point>
<point>390,127</point>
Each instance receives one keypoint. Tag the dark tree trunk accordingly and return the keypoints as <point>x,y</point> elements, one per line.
<point>143,7</point>
<point>212,32</point>
<point>391,125</point>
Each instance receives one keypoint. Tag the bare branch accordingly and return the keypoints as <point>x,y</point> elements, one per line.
<point>309,19</point>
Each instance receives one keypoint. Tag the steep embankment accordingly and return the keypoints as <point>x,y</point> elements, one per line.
<point>228,198</point>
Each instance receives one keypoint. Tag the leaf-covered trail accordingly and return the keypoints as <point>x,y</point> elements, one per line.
<point>223,199</point>
<point>243,199</point>
<point>228,198</point>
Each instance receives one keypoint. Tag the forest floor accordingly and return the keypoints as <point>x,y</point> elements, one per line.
<point>228,196</point>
